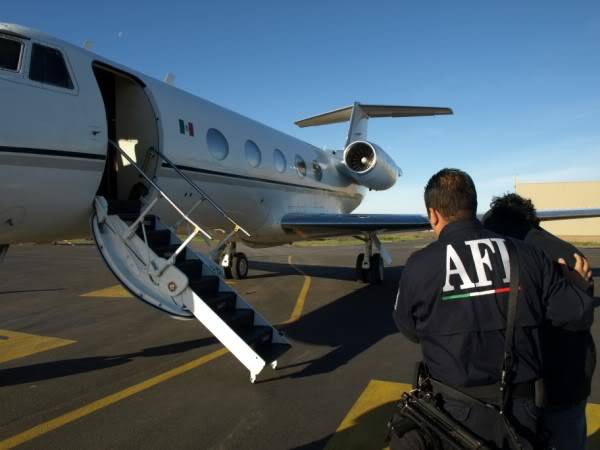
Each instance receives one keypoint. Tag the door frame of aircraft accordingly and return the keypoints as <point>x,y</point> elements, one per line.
<point>131,115</point>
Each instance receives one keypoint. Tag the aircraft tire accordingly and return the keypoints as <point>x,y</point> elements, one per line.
<point>362,275</point>
<point>376,269</point>
<point>239,268</point>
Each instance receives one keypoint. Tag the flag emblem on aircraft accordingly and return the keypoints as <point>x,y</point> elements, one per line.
<point>186,128</point>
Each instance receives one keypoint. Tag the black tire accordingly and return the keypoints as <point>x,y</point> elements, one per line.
<point>361,274</point>
<point>376,269</point>
<point>239,268</point>
<point>227,270</point>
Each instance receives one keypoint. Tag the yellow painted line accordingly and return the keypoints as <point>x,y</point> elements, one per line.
<point>90,408</point>
<point>116,291</point>
<point>15,345</point>
<point>592,413</point>
<point>365,425</point>
<point>301,300</point>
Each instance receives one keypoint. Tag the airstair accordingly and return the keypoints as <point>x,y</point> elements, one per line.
<point>157,267</point>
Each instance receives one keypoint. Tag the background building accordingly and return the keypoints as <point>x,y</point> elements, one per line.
<point>565,195</point>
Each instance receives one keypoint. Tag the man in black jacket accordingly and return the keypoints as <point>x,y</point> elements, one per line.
<point>452,300</point>
<point>569,356</point>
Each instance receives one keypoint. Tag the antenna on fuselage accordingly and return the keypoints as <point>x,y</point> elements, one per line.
<point>170,79</point>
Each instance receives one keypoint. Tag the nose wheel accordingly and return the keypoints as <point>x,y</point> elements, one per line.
<point>239,268</point>
<point>234,264</point>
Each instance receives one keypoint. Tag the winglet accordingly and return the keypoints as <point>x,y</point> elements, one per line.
<point>358,114</point>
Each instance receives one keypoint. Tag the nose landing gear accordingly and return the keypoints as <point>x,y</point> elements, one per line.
<point>235,264</point>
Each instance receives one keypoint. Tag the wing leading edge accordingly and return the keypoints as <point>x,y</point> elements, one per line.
<point>334,224</point>
<point>352,223</point>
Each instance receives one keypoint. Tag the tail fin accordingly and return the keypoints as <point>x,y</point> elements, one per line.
<point>359,114</point>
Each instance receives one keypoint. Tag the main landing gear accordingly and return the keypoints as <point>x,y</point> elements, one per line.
<point>369,265</point>
<point>235,264</point>
<point>3,251</point>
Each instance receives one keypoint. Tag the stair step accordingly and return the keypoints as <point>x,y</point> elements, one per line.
<point>149,221</point>
<point>239,319</point>
<point>165,251</point>
<point>192,268</point>
<point>124,207</point>
<point>204,286</point>
<point>270,352</point>
<point>221,302</point>
<point>158,238</point>
<point>257,336</point>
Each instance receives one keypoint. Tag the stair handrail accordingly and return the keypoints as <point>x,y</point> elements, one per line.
<point>197,228</point>
<point>200,191</point>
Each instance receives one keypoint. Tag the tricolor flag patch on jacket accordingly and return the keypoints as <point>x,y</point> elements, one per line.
<point>186,128</point>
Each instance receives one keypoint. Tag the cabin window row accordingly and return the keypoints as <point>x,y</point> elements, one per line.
<point>47,64</point>
<point>218,147</point>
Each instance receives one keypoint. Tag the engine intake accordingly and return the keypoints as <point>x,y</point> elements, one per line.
<point>369,165</point>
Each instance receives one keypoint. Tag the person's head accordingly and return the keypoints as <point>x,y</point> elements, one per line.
<point>450,195</point>
<point>511,215</point>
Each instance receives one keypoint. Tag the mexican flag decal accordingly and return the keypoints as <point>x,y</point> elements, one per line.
<point>186,128</point>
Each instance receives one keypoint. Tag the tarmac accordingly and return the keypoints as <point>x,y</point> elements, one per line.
<point>84,365</point>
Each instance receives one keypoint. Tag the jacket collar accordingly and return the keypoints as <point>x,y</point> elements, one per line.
<point>454,228</point>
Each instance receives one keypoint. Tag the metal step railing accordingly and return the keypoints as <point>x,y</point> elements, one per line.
<point>185,216</point>
<point>203,194</point>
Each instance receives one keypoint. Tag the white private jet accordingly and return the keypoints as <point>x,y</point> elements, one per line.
<point>84,140</point>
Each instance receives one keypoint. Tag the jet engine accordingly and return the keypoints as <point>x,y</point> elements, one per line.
<point>370,166</point>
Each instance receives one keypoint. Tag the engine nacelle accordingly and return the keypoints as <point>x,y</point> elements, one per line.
<point>369,165</point>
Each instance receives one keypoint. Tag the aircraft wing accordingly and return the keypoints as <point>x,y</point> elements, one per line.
<point>334,224</point>
<point>353,223</point>
<point>562,214</point>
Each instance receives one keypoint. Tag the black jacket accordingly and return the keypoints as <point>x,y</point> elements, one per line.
<point>569,356</point>
<point>452,299</point>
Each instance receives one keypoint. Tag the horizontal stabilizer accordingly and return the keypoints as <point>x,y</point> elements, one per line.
<point>344,114</point>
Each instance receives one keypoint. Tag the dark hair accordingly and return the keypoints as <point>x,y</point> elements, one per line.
<point>452,192</point>
<point>511,215</point>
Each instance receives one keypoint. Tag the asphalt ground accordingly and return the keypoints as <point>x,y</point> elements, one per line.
<point>82,369</point>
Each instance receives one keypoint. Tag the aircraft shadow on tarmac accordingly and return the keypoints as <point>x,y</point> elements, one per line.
<point>63,368</point>
<point>350,324</point>
<point>274,269</point>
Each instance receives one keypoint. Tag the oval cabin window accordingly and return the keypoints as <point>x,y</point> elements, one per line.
<point>253,155</point>
<point>279,160</point>
<point>217,144</point>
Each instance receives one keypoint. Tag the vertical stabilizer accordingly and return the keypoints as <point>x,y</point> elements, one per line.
<point>358,125</point>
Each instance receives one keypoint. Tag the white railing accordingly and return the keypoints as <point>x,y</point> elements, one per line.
<point>203,194</point>
<point>185,217</point>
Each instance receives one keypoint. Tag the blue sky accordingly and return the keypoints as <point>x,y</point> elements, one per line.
<point>523,78</point>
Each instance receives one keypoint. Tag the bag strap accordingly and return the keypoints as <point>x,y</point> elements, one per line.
<point>505,379</point>
<point>510,322</point>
